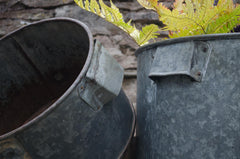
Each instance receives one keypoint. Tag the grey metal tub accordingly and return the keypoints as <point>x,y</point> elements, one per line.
<point>60,95</point>
<point>188,98</point>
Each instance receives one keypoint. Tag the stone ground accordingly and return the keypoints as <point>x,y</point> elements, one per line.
<point>17,13</point>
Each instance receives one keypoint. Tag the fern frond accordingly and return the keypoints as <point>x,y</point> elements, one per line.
<point>178,5</point>
<point>176,21</point>
<point>148,32</point>
<point>116,13</point>
<point>105,11</point>
<point>87,4</point>
<point>113,15</point>
<point>79,3</point>
<point>95,7</point>
<point>226,22</point>
<point>146,4</point>
<point>193,17</point>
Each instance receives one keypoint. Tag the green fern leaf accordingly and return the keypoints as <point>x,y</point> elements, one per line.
<point>148,32</point>
<point>113,15</point>
<point>79,3</point>
<point>116,13</point>
<point>105,11</point>
<point>146,4</point>
<point>194,17</point>
<point>225,23</point>
<point>125,26</point>
<point>95,7</point>
<point>87,5</point>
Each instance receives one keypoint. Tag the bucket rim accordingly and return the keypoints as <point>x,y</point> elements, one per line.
<point>131,134</point>
<point>77,80</point>
<point>206,37</point>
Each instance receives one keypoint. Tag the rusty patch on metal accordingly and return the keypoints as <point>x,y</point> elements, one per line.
<point>12,148</point>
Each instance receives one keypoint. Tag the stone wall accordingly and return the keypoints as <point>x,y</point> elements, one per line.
<point>17,13</point>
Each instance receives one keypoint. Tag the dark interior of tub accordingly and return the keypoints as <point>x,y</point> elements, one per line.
<point>37,65</point>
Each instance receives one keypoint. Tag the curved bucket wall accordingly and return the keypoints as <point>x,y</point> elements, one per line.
<point>188,98</point>
<point>61,95</point>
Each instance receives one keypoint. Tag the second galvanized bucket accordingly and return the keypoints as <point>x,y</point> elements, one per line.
<point>188,101</point>
<point>61,95</point>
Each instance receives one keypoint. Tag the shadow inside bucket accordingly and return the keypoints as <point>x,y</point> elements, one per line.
<point>37,65</point>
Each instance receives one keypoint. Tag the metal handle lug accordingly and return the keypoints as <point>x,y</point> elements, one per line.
<point>188,58</point>
<point>103,80</point>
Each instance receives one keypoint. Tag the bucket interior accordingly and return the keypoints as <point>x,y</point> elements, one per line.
<point>37,65</point>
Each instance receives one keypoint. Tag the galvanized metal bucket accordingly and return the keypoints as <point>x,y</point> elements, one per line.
<point>61,95</point>
<point>188,103</point>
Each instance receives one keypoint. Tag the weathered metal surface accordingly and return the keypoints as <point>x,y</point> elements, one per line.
<point>189,58</point>
<point>42,67</point>
<point>11,148</point>
<point>182,118</point>
<point>103,79</point>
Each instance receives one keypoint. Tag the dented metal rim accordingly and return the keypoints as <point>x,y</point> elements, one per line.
<point>207,37</point>
<point>75,83</point>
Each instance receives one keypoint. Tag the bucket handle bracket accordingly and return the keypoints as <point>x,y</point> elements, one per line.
<point>188,58</point>
<point>103,80</point>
